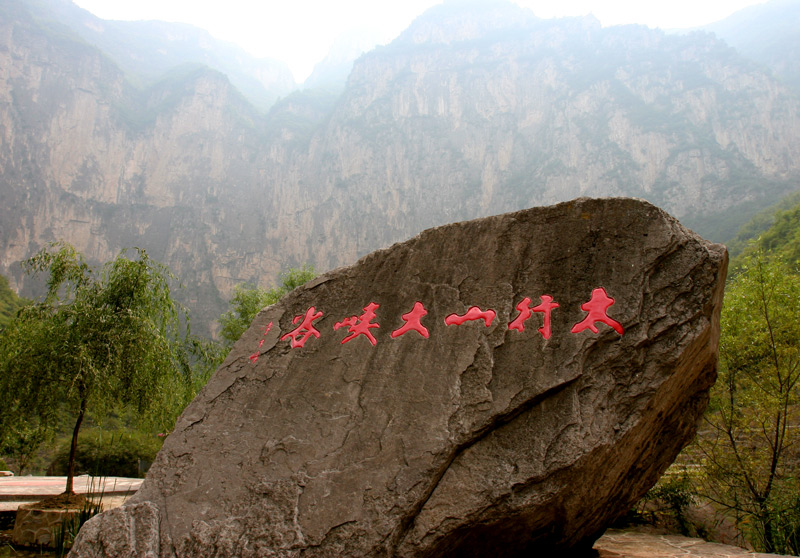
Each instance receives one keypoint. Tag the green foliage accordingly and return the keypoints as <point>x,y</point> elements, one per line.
<point>783,519</point>
<point>115,453</point>
<point>10,303</point>
<point>750,453</point>
<point>782,239</point>
<point>247,301</point>
<point>96,341</point>
<point>761,223</point>
<point>22,439</point>
<point>676,493</point>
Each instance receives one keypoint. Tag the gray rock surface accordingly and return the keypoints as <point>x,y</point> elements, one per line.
<point>477,440</point>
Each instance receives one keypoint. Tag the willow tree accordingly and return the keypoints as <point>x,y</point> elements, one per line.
<point>97,340</point>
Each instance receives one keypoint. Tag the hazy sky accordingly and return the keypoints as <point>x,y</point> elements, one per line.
<point>300,32</point>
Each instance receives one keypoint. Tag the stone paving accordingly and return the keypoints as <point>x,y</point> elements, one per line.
<point>15,491</point>
<point>640,544</point>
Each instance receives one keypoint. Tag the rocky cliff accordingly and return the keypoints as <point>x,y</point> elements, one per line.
<point>768,33</point>
<point>472,111</point>
<point>145,50</point>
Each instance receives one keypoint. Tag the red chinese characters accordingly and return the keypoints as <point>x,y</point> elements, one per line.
<point>254,356</point>
<point>306,329</point>
<point>474,313</point>
<point>597,309</point>
<point>525,312</point>
<point>413,322</point>
<point>596,312</point>
<point>360,325</point>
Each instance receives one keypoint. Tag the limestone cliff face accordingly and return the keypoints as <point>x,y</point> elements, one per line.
<point>558,110</point>
<point>470,112</point>
<point>145,50</point>
<point>87,158</point>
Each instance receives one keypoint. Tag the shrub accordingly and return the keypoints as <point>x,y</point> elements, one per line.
<point>676,493</point>
<point>118,453</point>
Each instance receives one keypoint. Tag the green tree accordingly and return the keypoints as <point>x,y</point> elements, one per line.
<point>750,451</point>
<point>22,440</point>
<point>96,340</point>
<point>248,300</point>
<point>10,303</point>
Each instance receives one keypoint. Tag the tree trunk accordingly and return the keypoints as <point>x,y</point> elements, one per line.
<point>73,447</point>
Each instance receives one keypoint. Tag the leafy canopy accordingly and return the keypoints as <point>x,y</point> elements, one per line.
<point>96,340</point>
<point>247,301</point>
<point>750,451</point>
<point>10,303</point>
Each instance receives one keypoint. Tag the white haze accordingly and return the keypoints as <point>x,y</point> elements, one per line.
<point>300,32</point>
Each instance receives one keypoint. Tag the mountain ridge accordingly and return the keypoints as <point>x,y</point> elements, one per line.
<point>767,33</point>
<point>484,120</point>
<point>148,50</point>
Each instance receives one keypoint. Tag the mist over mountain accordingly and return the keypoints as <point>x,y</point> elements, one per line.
<point>146,50</point>
<point>767,33</point>
<point>475,109</point>
<point>331,72</point>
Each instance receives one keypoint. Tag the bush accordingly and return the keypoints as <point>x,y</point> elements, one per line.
<point>118,453</point>
<point>780,529</point>
<point>675,493</point>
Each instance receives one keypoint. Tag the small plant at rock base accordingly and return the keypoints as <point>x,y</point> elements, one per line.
<point>64,535</point>
<point>676,493</point>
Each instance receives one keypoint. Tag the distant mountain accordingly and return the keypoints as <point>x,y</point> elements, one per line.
<point>519,111</point>
<point>331,72</point>
<point>768,33</point>
<point>146,50</point>
<point>475,109</point>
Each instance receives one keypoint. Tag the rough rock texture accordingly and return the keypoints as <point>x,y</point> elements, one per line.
<point>476,441</point>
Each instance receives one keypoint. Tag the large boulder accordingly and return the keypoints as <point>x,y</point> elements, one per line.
<point>487,388</point>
